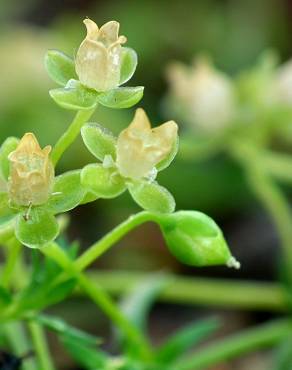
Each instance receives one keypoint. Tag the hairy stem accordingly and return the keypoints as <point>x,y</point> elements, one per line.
<point>70,134</point>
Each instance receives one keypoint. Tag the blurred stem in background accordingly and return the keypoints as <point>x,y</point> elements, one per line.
<point>272,198</point>
<point>232,347</point>
<point>70,134</point>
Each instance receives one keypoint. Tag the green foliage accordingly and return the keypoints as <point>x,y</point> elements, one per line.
<point>152,197</point>
<point>128,64</point>
<point>103,182</point>
<point>60,67</point>
<point>121,97</point>
<point>7,147</point>
<point>36,227</point>
<point>99,141</point>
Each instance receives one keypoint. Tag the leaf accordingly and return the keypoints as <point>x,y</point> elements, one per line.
<point>36,227</point>
<point>5,297</point>
<point>185,338</point>
<point>6,213</point>
<point>7,147</point>
<point>170,157</point>
<point>60,67</point>
<point>61,327</point>
<point>99,141</point>
<point>129,62</point>
<point>121,97</point>
<point>77,98</point>
<point>283,355</point>
<point>67,192</point>
<point>88,356</point>
<point>195,239</point>
<point>152,197</point>
<point>103,182</point>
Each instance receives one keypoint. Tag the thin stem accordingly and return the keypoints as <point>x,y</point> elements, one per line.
<point>247,341</point>
<point>101,246</point>
<point>40,346</point>
<point>279,165</point>
<point>14,249</point>
<point>70,134</point>
<point>99,296</point>
<point>19,343</point>
<point>200,291</point>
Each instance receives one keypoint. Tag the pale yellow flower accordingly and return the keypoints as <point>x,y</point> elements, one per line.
<point>140,148</point>
<point>206,94</point>
<point>98,60</point>
<point>31,173</point>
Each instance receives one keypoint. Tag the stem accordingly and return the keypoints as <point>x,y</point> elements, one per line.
<point>101,246</point>
<point>200,291</point>
<point>99,296</point>
<point>272,199</point>
<point>70,134</point>
<point>14,249</point>
<point>19,343</point>
<point>40,346</point>
<point>247,341</point>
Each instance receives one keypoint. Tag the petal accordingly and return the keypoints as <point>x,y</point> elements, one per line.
<point>92,29</point>
<point>108,33</point>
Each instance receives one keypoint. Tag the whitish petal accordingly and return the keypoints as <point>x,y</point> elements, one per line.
<point>92,29</point>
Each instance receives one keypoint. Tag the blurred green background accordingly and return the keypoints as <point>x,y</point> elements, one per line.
<point>234,33</point>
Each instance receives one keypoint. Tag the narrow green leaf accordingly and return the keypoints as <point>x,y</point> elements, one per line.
<point>283,355</point>
<point>36,227</point>
<point>5,297</point>
<point>122,97</point>
<point>170,157</point>
<point>99,141</point>
<point>186,338</point>
<point>87,356</point>
<point>60,67</point>
<point>62,327</point>
<point>67,192</point>
<point>129,62</point>
<point>104,182</point>
<point>152,197</point>
<point>7,147</point>
<point>77,98</point>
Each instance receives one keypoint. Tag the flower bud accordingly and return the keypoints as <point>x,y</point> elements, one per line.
<point>31,173</point>
<point>140,148</point>
<point>283,84</point>
<point>98,60</point>
<point>206,95</point>
<point>195,239</point>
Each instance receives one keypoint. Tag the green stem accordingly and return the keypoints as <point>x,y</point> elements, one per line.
<point>100,297</point>
<point>200,291</point>
<point>101,246</point>
<point>14,249</point>
<point>70,134</point>
<point>247,341</point>
<point>278,165</point>
<point>40,346</point>
<point>19,343</point>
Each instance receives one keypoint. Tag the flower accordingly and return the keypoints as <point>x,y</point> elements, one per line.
<point>140,148</point>
<point>31,173</point>
<point>206,95</point>
<point>98,60</point>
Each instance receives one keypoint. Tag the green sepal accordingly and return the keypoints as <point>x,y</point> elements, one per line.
<point>195,239</point>
<point>89,197</point>
<point>6,213</point>
<point>74,96</point>
<point>170,157</point>
<point>99,141</point>
<point>104,182</point>
<point>129,62</point>
<point>152,197</point>
<point>67,192</point>
<point>7,147</point>
<point>121,97</point>
<point>36,227</point>
<point>60,67</point>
